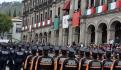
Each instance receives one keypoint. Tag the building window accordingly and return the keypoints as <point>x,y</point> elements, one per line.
<point>92,3</point>
<point>59,11</point>
<point>18,30</point>
<point>79,4</point>
<point>97,3</point>
<point>109,1</point>
<point>87,4</point>
<point>41,17</point>
<point>51,14</point>
<point>37,19</point>
<point>46,15</point>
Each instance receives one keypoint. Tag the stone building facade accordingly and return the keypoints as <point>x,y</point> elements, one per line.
<point>99,21</point>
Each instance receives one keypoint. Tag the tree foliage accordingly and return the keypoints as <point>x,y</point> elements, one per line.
<point>14,13</point>
<point>5,23</point>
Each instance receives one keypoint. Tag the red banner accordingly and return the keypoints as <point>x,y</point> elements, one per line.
<point>76,19</point>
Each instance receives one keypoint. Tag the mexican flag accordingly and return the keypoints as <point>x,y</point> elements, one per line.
<point>112,6</point>
<point>102,8</point>
<point>90,11</point>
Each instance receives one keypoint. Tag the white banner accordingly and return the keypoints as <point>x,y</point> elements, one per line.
<point>89,11</point>
<point>43,23</point>
<point>113,6</point>
<point>39,24</point>
<point>48,22</point>
<point>65,22</point>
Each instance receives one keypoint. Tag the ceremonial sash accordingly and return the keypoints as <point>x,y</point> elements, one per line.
<point>25,66</point>
<point>31,67</point>
<point>36,64</point>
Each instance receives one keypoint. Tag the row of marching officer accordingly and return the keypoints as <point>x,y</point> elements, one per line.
<point>87,59</point>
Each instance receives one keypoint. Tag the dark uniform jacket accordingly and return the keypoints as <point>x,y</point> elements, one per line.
<point>60,61</point>
<point>95,65</point>
<point>117,65</point>
<point>107,64</point>
<point>70,64</point>
<point>45,63</point>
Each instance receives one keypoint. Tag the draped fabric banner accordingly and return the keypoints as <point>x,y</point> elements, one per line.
<point>66,5</point>
<point>90,11</point>
<point>56,23</point>
<point>102,8</point>
<point>76,19</point>
<point>65,22</point>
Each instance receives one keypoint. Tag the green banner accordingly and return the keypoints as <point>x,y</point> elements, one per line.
<point>56,23</point>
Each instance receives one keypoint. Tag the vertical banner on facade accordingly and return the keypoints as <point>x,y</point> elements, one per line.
<point>112,6</point>
<point>39,24</point>
<point>65,22</point>
<point>56,23</point>
<point>48,22</point>
<point>102,8</point>
<point>76,19</point>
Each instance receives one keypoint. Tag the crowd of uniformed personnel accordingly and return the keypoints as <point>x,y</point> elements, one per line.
<point>50,57</point>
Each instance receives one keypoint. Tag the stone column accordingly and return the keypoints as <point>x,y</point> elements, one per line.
<point>60,36</point>
<point>98,37</point>
<point>110,34</point>
<point>70,35</point>
<point>89,3</point>
<point>76,4</point>
<point>70,26</point>
<point>52,37</point>
<point>82,31</point>
<point>83,6</point>
<point>72,6</point>
<point>100,2</point>
<point>94,3</point>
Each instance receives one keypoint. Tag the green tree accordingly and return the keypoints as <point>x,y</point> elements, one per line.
<point>9,13</point>
<point>5,23</point>
<point>19,13</point>
<point>14,13</point>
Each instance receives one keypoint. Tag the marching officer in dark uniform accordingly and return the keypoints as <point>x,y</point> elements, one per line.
<point>95,64</point>
<point>45,62</point>
<point>70,63</point>
<point>11,62</point>
<point>61,59</point>
<point>56,52</point>
<point>19,58</point>
<point>85,61</point>
<point>35,58</point>
<point>40,51</point>
<point>107,63</point>
<point>81,53</point>
<point>28,61</point>
<point>5,56</point>
<point>55,57</point>
<point>117,63</point>
<point>100,54</point>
